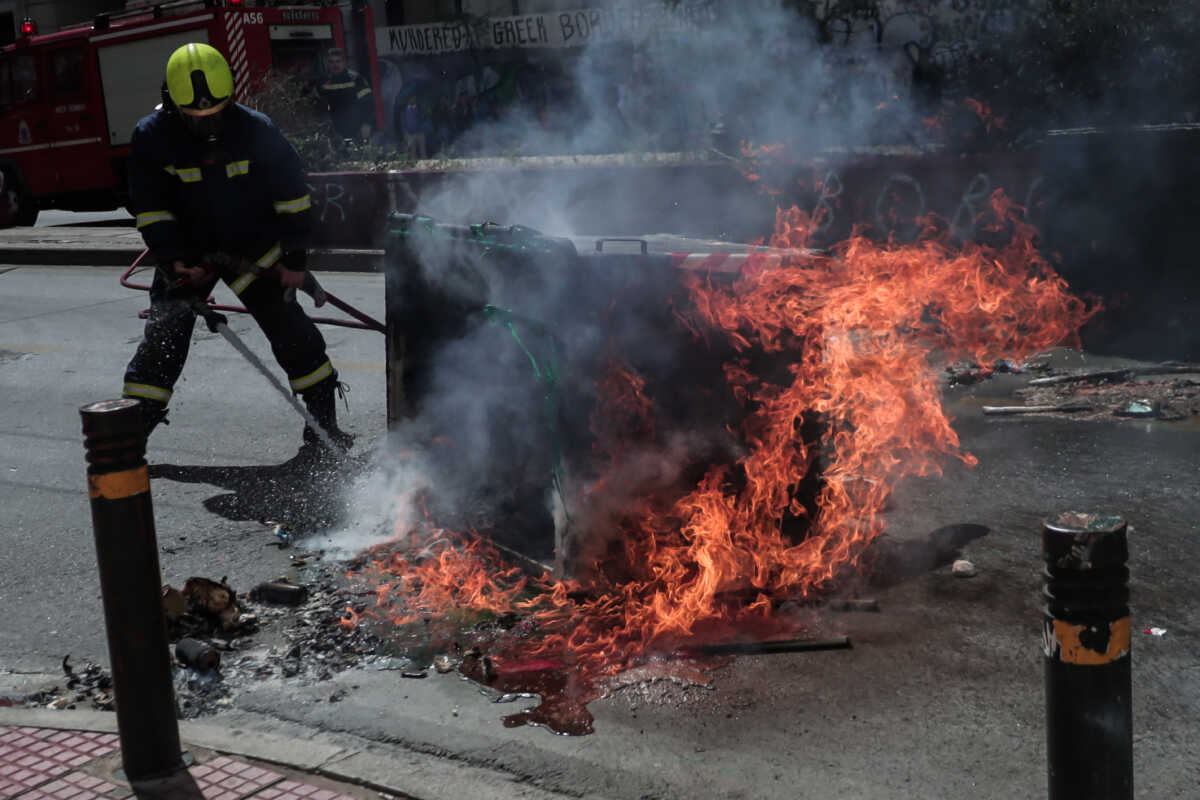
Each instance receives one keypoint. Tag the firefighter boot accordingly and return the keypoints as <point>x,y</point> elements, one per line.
<point>321,401</point>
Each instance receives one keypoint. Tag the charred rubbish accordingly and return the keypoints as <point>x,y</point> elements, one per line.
<point>279,592</point>
<point>205,608</point>
<point>89,686</point>
<point>198,655</point>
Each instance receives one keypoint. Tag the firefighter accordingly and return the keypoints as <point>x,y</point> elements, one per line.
<point>218,192</point>
<point>348,97</point>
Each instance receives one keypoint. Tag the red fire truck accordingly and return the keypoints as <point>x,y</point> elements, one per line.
<point>69,100</point>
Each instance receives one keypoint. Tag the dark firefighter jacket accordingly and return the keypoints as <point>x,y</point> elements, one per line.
<point>246,199</point>
<point>349,99</point>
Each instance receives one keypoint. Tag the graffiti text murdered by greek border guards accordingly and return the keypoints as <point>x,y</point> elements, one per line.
<point>552,29</point>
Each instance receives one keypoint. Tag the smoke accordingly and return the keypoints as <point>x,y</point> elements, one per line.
<point>383,504</point>
<point>740,73</point>
<point>495,446</point>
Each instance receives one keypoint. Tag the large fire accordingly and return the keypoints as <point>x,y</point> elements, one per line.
<point>869,325</point>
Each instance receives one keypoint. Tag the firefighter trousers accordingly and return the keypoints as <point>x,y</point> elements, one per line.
<point>297,344</point>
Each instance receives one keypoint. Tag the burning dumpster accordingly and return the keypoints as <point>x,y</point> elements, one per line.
<point>704,438</point>
<point>509,347</point>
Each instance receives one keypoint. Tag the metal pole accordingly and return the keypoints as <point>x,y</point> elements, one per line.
<point>131,585</point>
<point>1086,635</point>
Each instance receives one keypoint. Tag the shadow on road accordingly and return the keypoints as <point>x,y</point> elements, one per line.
<point>304,496</point>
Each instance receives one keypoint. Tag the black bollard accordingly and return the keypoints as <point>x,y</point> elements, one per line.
<point>1086,635</point>
<point>131,586</point>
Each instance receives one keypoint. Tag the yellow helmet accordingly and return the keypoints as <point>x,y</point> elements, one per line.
<point>199,80</point>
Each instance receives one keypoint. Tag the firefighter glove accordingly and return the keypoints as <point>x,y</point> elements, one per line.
<point>211,318</point>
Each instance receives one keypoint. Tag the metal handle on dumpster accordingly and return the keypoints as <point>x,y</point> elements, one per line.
<point>600,243</point>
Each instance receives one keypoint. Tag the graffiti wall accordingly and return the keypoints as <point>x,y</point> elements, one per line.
<point>673,75</point>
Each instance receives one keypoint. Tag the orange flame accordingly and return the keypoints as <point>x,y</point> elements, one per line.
<point>448,571</point>
<point>983,110</point>
<point>866,325</point>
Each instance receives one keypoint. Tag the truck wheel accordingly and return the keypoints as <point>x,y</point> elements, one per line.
<point>26,212</point>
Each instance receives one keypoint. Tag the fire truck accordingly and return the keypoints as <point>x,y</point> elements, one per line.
<point>69,100</point>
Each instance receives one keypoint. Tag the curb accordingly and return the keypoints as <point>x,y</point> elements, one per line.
<point>341,260</point>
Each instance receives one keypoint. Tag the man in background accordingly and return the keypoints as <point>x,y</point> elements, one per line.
<point>348,97</point>
<point>410,121</point>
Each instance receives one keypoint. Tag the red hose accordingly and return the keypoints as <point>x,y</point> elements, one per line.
<point>362,321</point>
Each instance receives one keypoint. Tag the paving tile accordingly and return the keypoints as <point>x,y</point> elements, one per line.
<point>223,778</point>
<point>77,786</point>
<point>32,757</point>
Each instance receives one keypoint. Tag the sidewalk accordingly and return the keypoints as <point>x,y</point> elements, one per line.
<point>117,246</point>
<point>62,762</point>
<point>66,764</point>
<point>75,755</point>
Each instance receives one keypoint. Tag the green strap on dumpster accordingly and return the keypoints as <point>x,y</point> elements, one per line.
<point>546,371</point>
<point>538,344</point>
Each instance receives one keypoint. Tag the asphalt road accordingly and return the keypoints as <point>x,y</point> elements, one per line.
<point>941,696</point>
<point>66,334</point>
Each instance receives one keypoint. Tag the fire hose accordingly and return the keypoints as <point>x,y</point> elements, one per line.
<point>219,323</point>
<point>363,321</point>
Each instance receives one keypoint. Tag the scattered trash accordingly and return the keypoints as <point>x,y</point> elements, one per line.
<point>283,535</point>
<point>197,654</point>
<point>204,608</point>
<point>338,696</point>
<point>421,674</point>
<point>1009,411</point>
<point>281,592</point>
<point>175,605</point>
<point>90,684</point>
<point>382,663</point>
<point>1138,408</point>
<point>1156,631</point>
<point>1169,391</point>
<point>206,597</point>
<point>474,662</point>
<point>1118,375</point>
<point>444,663</point>
<point>963,569</point>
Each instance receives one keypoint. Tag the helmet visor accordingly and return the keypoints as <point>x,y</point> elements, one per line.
<point>207,124</point>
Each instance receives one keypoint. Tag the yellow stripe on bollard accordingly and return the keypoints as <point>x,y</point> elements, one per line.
<point>1072,648</point>
<point>118,485</point>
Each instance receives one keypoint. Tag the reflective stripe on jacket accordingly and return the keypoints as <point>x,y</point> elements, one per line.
<point>248,198</point>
